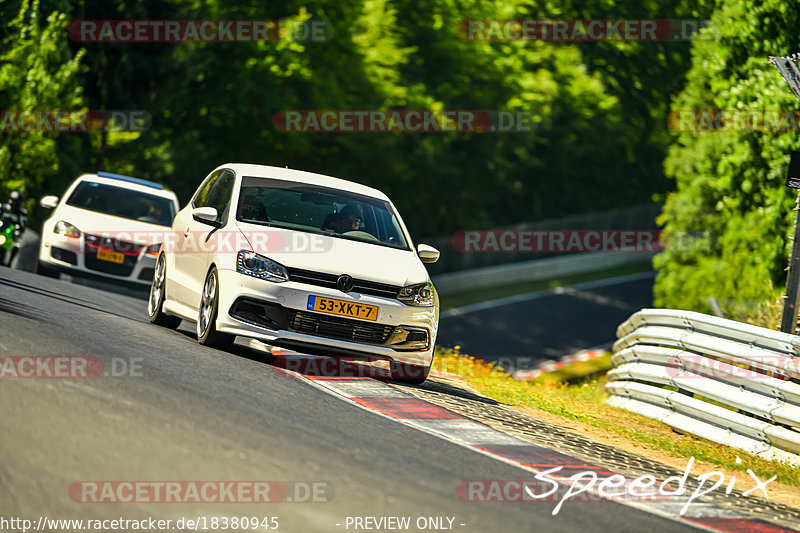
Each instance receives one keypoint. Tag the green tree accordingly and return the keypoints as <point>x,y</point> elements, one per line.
<point>730,184</point>
<point>38,71</point>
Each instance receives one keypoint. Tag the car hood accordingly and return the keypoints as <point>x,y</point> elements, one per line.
<point>322,253</point>
<point>101,224</point>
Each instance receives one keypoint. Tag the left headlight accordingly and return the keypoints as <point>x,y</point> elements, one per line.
<point>65,228</point>
<point>153,249</point>
<point>258,266</point>
<point>419,295</point>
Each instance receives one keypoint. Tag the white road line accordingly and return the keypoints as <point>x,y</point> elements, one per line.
<point>518,298</point>
<point>660,509</point>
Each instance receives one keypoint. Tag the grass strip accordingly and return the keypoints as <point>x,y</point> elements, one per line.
<point>586,403</point>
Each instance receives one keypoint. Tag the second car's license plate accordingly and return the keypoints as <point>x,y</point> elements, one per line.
<point>108,255</point>
<point>342,308</point>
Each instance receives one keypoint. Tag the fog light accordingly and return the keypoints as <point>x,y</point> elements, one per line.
<point>408,338</point>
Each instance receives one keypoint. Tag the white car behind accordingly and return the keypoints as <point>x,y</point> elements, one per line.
<point>106,225</point>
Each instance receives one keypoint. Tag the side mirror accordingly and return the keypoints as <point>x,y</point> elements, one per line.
<point>49,202</point>
<point>206,215</point>
<point>428,254</point>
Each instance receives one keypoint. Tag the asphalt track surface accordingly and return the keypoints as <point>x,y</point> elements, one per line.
<point>520,331</point>
<point>194,413</point>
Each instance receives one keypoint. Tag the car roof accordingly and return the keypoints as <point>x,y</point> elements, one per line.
<point>301,176</point>
<point>127,182</point>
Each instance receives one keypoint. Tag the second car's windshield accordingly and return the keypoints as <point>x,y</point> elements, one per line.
<point>315,209</point>
<point>124,203</point>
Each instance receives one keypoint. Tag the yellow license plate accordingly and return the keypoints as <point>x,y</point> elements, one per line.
<point>108,255</point>
<point>342,308</point>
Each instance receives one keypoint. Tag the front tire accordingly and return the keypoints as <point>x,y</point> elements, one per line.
<point>207,333</point>
<point>46,270</point>
<point>155,303</point>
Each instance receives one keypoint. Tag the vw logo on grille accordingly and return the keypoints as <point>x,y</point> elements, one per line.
<point>345,283</point>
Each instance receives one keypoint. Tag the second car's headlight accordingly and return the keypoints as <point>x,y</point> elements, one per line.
<point>420,295</point>
<point>153,249</point>
<point>252,264</point>
<point>65,228</point>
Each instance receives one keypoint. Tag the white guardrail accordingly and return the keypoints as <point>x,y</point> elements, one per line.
<point>722,380</point>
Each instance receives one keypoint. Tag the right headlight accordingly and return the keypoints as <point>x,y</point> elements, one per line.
<point>419,295</point>
<point>65,228</point>
<point>258,266</point>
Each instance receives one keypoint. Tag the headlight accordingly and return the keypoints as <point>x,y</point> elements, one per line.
<point>65,228</point>
<point>2,240</point>
<point>258,266</point>
<point>153,249</point>
<point>420,295</point>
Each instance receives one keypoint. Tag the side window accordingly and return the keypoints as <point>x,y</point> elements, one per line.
<point>201,197</point>
<point>219,195</point>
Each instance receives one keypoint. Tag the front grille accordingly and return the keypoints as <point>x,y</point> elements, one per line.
<point>323,279</point>
<point>93,242</point>
<point>129,249</point>
<point>107,267</point>
<point>337,328</point>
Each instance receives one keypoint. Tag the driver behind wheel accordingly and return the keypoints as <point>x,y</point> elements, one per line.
<point>350,219</point>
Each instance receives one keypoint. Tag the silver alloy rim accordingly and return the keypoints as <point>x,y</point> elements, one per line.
<point>156,287</point>
<point>207,303</point>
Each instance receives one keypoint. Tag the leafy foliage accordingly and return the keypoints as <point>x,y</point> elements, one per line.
<point>730,184</point>
<point>598,137</point>
<point>38,71</point>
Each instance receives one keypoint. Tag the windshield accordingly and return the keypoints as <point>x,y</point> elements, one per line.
<point>315,209</point>
<point>124,203</point>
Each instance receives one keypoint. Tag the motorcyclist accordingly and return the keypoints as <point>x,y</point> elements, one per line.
<point>12,212</point>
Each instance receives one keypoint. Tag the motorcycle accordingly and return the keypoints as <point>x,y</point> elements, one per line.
<point>10,233</point>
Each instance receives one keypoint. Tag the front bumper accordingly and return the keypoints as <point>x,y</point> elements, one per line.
<point>286,321</point>
<point>74,256</point>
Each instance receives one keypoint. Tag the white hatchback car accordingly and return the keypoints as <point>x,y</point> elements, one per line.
<point>106,225</point>
<point>301,261</point>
